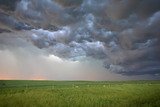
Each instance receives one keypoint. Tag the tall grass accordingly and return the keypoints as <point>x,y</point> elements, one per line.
<point>79,94</point>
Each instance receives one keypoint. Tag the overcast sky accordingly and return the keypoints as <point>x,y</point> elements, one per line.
<point>80,39</point>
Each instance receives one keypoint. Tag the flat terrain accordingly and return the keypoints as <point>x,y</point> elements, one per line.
<point>79,93</point>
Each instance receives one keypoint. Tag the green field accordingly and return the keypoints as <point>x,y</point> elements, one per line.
<point>79,94</point>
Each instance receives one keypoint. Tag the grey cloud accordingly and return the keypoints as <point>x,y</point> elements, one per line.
<point>148,70</point>
<point>123,8</point>
<point>147,8</point>
<point>131,42</point>
<point>44,38</point>
<point>13,23</point>
<point>42,12</point>
<point>120,33</point>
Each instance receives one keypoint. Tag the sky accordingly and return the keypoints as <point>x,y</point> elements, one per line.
<point>80,39</point>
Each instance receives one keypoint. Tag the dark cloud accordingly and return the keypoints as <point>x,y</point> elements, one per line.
<point>124,34</point>
<point>8,4</point>
<point>13,23</point>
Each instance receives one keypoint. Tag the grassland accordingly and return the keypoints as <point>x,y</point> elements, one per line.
<point>79,94</point>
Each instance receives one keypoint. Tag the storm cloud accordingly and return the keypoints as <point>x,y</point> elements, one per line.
<point>123,34</point>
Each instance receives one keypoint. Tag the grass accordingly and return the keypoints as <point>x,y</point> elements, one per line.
<point>79,94</point>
